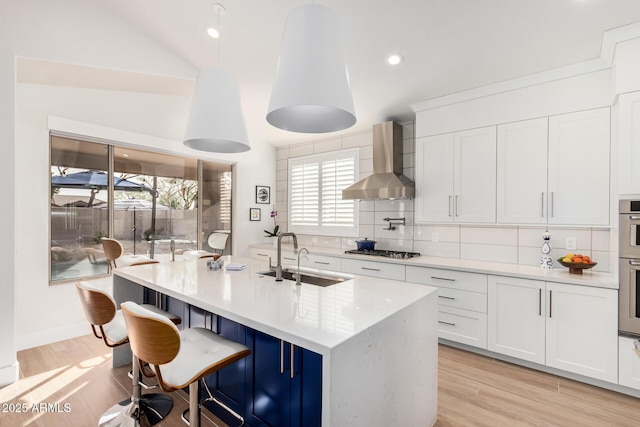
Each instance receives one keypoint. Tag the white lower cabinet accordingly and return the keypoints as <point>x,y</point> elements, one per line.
<point>322,262</point>
<point>516,318</point>
<point>629,363</point>
<point>582,330</point>
<point>462,303</point>
<point>374,268</point>
<point>569,327</point>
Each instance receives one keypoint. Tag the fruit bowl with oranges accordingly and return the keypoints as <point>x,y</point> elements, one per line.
<point>577,262</point>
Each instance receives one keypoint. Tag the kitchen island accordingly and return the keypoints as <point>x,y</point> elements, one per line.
<point>374,340</point>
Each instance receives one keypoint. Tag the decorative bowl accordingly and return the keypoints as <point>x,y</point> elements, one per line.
<point>575,267</point>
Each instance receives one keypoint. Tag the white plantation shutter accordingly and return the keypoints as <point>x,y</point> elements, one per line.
<point>305,182</point>
<point>225,197</point>
<point>315,193</point>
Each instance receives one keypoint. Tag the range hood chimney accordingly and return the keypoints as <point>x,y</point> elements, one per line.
<point>387,181</point>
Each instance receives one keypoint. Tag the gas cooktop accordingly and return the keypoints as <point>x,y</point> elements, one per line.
<point>383,253</point>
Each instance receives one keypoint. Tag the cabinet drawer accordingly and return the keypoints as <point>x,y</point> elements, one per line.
<point>463,326</point>
<point>461,280</point>
<point>322,262</point>
<point>262,254</point>
<point>373,268</point>
<point>474,301</point>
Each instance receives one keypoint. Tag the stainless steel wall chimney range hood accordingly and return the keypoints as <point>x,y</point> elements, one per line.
<point>387,181</point>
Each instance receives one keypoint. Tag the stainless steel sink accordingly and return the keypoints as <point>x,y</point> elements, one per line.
<point>307,277</point>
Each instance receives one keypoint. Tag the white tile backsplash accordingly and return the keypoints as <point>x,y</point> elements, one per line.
<point>298,150</point>
<point>440,249</point>
<point>367,218</point>
<point>397,206</point>
<point>489,235</point>
<point>600,240</point>
<point>326,145</point>
<point>443,233</point>
<point>491,253</point>
<point>357,140</point>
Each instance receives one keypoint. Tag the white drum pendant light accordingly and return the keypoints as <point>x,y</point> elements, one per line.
<point>216,122</point>
<point>311,93</point>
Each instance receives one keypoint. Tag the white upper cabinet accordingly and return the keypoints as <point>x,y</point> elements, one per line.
<point>434,178</point>
<point>629,140</point>
<point>456,177</point>
<point>522,172</point>
<point>474,175</point>
<point>578,185</point>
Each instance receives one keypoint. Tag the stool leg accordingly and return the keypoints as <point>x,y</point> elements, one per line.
<point>194,404</point>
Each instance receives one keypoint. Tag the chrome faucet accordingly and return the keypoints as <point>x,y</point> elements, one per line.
<point>298,275</point>
<point>279,264</point>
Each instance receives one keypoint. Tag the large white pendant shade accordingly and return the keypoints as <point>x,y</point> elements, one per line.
<point>311,93</point>
<point>216,123</point>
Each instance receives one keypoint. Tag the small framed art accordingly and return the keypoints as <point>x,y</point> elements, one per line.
<point>254,214</point>
<point>263,194</point>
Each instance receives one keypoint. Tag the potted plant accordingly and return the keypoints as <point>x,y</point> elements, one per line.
<point>276,227</point>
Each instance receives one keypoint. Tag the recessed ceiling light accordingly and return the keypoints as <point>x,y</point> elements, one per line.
<point>395,59</point>
<point>213,33</point>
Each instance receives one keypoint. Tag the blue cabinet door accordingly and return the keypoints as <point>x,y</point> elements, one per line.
<point>309,399</point>
<point>269,396</point>
<point>280,396</point>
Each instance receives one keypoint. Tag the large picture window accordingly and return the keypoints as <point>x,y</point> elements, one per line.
<point>315,194</point>
<point>156,200</point>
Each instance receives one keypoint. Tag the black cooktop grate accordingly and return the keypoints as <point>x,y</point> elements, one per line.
<point>384,253</point>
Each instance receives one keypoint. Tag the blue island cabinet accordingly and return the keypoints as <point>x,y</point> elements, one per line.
<point>262,387</point>
<point>286,383</point>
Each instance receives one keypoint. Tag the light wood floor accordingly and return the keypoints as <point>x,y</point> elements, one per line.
<point>473,391</point>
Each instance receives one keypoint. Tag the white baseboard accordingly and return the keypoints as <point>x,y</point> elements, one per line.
<point>9,374</point>
<point>48,336</point>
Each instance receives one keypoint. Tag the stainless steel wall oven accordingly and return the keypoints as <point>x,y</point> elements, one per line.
<point>629,292</point>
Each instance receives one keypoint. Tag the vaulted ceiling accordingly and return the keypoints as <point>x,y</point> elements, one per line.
<point>449,45</point>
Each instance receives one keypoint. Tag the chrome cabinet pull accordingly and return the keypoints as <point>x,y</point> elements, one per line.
<point>281,357</point>
<point>449,205</point>
<point>634,217</point>
<point>632,262</point>
<point>455,207</point>
<point>370,269</point>
<point>446,323</point>
<point>262,254</point>
<point>290,259</point>
<point>446,297</point>
<point>552,203</point>
<point>443,278</point>
<point>292,354</point>
<point>550,301</point>
<point>321,262</point>
<point>540,302</point>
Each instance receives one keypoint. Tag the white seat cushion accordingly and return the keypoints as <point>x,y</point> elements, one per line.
<point>115,331</point>
<point>126,260</point>
<point>199,349</point>
<point>193,255</point>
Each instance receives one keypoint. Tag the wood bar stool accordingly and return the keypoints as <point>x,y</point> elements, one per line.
<point>107,324</point>
<point>198,254</point>
<point>178,358</point>
<point>113,251</point>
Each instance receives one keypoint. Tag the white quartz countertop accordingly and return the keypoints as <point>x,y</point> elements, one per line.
<point>313,317</point>
<point>587,278</point>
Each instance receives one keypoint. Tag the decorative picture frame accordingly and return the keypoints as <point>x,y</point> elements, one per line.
<point>263,194</point>
<point>255,214</point>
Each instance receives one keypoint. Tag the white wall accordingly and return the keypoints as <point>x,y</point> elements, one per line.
<point>80,32</point>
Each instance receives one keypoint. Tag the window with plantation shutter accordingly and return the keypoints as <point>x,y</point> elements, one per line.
<point>315,194</point>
